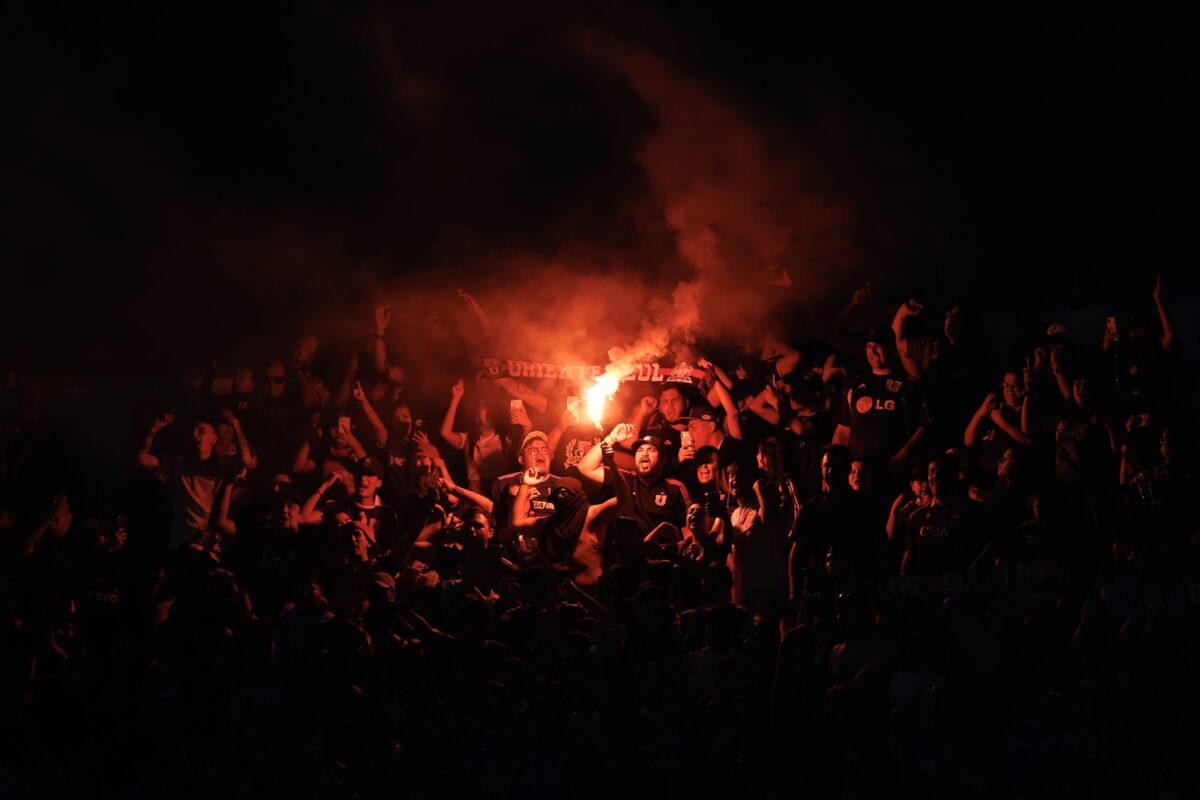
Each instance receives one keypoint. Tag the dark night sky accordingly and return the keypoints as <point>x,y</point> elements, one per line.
<point>186,173</point>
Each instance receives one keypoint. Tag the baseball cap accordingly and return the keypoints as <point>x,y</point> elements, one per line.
<point>658,439</point>
<point>529,437</point>
<point>701,412</point>
<point>369,466</point>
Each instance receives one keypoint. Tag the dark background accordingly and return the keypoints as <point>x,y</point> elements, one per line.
<point>180,178</point>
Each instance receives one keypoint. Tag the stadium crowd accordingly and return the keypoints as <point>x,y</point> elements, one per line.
<point>891,558</point>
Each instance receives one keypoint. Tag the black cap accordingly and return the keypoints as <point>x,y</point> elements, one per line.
<point>661,439</point>
<point>369,466</point>
<point>702,413</point>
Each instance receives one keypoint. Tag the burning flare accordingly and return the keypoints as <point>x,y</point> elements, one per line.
<point>600,393</point>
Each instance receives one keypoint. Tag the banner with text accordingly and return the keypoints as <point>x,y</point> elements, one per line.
<point>586,373</point>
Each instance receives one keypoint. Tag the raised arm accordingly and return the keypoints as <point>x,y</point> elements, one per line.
<point>312,391</point>
<point>971,435</point>
<point>461,492</point>
<point>733,425</point>
<point>765,405</point>
<point>901,455</point>
<point>1027,403</point>
<point>642,411</point>
<point>57,521</point>
<point>144,458</point>
<point>519,517</point>
<point>1056,369</point>
<point>303,463</point>
<point>859,299</point>
<point>455,439</point>
<point>1168,338</point>
<point>525,394</point>
<point>249,460</point>
<point>345,387</point>
<point>485,322</point>
<point>309,513</point>
<point>911,366</point>
<point>221,511</point>
<point>1015,433</point>
<point>591,466</point>
<point>364,402</point>
<point>383,318</point>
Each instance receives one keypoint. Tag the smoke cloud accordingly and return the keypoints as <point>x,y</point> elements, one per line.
<point>602,200</point>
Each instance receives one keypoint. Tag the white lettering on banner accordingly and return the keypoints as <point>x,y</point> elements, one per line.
<point>642,373</point>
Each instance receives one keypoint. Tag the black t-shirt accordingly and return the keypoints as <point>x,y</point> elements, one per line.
<point>995,440</point>
<point>946,536</point>
<point>400,477</point>
<point>380,520</point>
<point>882,412</point>
<point>651,503</point>
<point>1141,371</point>
<point>540,503</point>
<point>839,521</point>
<point>1082,451</point>
<point>573,445</point>
<point>802,457</point>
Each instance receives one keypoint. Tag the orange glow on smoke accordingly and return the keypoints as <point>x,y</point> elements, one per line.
<point>600,393</point>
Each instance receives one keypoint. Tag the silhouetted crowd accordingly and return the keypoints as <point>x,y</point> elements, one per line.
<point>890,558</point>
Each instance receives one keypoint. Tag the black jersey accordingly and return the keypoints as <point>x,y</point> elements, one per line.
<point>882,412</point>
<point>654,502</point>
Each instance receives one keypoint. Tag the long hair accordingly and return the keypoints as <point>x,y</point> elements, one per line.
<point>772,457</point>
<point>499,423</point>
<point>779,482</point>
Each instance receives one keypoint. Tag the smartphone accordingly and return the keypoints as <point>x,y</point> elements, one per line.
<point>516,405</point>
<point>343,426</point>
<point>685,438</point>
<point>122,521</point>
<point>1110,325</point>
<point>575,406</point>
<point>418,424</point>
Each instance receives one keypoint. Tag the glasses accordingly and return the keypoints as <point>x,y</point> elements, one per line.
<point>537,451</point>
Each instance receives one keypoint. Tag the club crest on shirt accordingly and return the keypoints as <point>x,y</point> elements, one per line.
<point>398,462</point>
<point>893,385</point>
<point>863,404</point>
<point>660,499</point>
